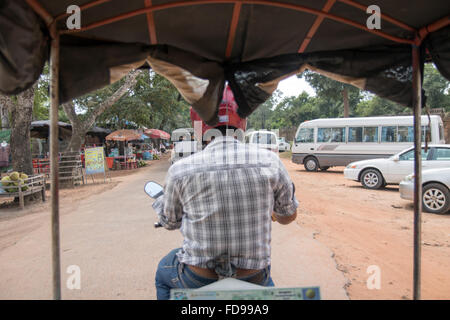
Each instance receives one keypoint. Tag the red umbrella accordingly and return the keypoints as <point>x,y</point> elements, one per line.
<point>157,134</point>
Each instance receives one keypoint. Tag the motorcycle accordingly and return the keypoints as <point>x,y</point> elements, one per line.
<point>231,288</point>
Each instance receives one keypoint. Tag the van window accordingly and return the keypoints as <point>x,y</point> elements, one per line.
<point>370,134</point>
<point>389,134</point>
<point>305,135</point>
<point>405,134</point>
<point>331,135</point>
<point>355,134</point>
<point>425,131</point>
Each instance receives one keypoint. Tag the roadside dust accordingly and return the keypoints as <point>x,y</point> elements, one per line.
<point>372,227</point>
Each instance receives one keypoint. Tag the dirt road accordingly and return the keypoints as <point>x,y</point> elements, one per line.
<point>109,235</point>
<point>365,228</point>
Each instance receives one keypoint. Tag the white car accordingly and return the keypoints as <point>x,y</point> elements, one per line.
<point>263,139</point>
<point>435,190</point>
<point>377,173</point>
<point>283,145</point>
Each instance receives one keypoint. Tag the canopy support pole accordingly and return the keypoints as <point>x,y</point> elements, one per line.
<point>54,169</point>
<point>417,107</point>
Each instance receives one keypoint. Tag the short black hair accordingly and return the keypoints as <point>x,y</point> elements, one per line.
<point>223,129</point>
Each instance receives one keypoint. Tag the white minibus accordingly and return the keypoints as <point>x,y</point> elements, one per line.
<point>323,143</point>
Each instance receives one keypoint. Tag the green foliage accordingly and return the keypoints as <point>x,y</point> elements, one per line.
<point>328,102</point>
<point>154,103</point>
<point>436,88</point>
<point>41,96</point>
<point>330,94</point>
<point>261,117</point>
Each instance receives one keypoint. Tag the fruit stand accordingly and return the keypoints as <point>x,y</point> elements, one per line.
<point>19,185</point>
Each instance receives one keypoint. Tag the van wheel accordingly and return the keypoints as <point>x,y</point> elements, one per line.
<point>435,198</point>
<point>311,164</point>
<point>372,179</point>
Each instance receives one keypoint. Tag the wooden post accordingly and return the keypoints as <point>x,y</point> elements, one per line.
<point>54,168</point>
<point>417,107</point>
<point>43,188</point>
<point>21,199</point>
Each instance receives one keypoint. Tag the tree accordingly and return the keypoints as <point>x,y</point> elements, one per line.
<point>377,106</point>
<point>342,96</point>
<point>94,105</point>
<point>261,117</point>
<point>155,103</point>
<point>21,109</point>
<point>436,88</point>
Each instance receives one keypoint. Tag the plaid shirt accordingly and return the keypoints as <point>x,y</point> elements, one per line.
<point>222,199</point>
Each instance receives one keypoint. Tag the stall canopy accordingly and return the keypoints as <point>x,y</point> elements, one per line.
<point>124,135</point>
<point>41,129</point>
<point>157,134</point>
<point>198,45</point>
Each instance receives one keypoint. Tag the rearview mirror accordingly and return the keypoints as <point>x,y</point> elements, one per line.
<point>153,189</point>
<point>395,158</point>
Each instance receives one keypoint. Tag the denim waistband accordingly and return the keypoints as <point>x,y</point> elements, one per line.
<point>261,275</point>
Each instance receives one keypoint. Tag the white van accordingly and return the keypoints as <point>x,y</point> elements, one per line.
<point>323,143</point>
<point>263,138</point>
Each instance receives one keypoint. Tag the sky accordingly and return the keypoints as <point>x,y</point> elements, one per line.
<point>293,86</point>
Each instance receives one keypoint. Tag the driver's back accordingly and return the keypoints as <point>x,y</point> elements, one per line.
<point>223,198</point>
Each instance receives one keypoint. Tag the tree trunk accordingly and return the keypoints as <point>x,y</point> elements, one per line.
<point>21,116</point>
<point>346,104</point>
<point>77,139</point>
<point>163,123</point>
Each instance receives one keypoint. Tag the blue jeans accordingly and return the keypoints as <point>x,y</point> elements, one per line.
<point>173,274</point>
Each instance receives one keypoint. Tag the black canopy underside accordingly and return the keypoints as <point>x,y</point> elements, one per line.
<point>198,45</point>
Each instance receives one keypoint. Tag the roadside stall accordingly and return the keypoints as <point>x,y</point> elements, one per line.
<point>123,141</point>
<point>40,135</point>
<point>342,39</point>
<point>159,138</point>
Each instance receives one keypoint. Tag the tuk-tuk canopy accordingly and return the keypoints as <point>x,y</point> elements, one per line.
<point>376,45</point>
<point>198,45</point>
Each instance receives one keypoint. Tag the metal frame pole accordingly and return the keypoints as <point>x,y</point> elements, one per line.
<point>417,106</point>
<point>54,169</point>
